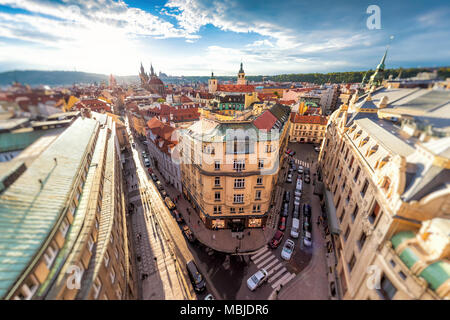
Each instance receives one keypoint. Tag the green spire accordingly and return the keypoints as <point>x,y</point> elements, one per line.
<point>242,69</point>
<point>383,60</point>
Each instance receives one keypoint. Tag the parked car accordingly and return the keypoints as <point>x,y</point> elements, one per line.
<point>307,179</point>
<point>288,248</point>
<point>147,162</point>
<point>169,203</point>
<point>150,170</point>
<point>294,167</point>
<point>307,171</point>
<point>154,177</point>
<point>295,229</point>
<point>299,185</point>
<point>296,212</point>
<point>163,193</point>
<point>317,149</point>
<point>209,296</point>
<point>289,178</point>
<point>134,145</point>
<point>178,217</point>
<point>276,240</point>
<point>287,196</point>
<point>306,210</point>
<point>307,240</point>
<point>292,161</point>
<point>188,234</point>
<point>197,279</point>
<point>296,201</point>
<point>282,224</point>
<point>297,193</point>
<point>144,154</point>
<point>285,211</point>
<point>307,225</point>
<point>257,279</point>
<point>300,169</point>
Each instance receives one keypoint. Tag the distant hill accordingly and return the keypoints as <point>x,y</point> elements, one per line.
<point>55,78</point>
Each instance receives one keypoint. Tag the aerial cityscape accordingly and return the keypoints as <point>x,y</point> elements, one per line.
<point>237,150</point>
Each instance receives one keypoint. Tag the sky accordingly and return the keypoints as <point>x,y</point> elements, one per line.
<point>196,37</point>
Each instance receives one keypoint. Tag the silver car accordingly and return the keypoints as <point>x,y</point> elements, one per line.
<point>288,248</point>
<point>257,279</point>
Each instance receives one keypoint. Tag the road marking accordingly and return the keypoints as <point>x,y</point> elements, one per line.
<point>279,273</point>
<point>270,265</point>
<point>278,266</point>
<point>285,279</point>
<point>262,257</point>
<point>258,252</point>
<point>266,261</point>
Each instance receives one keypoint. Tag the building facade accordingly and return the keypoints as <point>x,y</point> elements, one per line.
<point>307,128</point>
<point>229,168</point>
<point>387,197</point>
<point>68,236</point>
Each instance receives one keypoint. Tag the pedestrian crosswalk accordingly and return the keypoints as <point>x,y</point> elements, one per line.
<point>302,163</point>
<point>278,274</point>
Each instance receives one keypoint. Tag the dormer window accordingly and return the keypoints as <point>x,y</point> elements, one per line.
<point>364,141</point>
<point>371,150</point>
<point>357,134</point>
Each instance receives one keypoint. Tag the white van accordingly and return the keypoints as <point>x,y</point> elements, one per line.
<point>295,228</point>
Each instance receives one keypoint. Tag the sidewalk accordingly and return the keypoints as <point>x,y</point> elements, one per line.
<point>223,240</point>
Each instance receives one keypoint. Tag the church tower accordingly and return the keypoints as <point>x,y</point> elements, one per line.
<point>377,77</point>
<point>212,83</point>
<point>241,76</point>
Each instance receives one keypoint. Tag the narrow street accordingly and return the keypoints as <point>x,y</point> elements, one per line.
<point>160,256</point>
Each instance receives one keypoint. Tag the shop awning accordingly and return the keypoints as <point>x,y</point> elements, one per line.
<point>333,223</point>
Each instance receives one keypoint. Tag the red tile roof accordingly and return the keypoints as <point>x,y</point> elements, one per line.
<point>308,119</point>
<point>235,88</point>
<point>265,121</point>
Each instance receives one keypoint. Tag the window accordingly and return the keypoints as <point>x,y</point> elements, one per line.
<point>239,165</point>
<point>259,181</point>
<point>241,210</point>
<point>338,202</point>
<point>342,216</point>
<point>387,290</point>
<point>111,238</point>
<point>217,196</point>
<point>50,254</point>
<point>355,213</point>
<point>358,170</point>
<point>106,258</point>
<point>97,287</point>
<point>232,210</point>
<point>64,227</point>
<point>351,162</point>
<point>364,188</point>
<point>116,253</point>
<point>256,208</point>
<point>28,289</point>
<point>216,165</point>
<point>96,223</point>
<point>90,243</point>
<point>268,148</point>
<point>112,275</point>
<point>343,185</point>
<point>258,195</point>
<point>238,198</point>
<point>119,293</point>
<point>375,211</point>
<point>347,232</point>
<point>217,209</point>
<point>349,195</point>
<point>217,181</point>
<point>362,240</point>
<point>351,263</point>
<point>260,164</point>
<point>239,183</point>
<point>402,275</point>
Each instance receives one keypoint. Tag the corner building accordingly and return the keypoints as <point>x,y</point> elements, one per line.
<point>230,168</point>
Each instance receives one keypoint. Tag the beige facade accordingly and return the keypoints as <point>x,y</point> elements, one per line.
<point>386,188</point>
<point>86,252</point>
<point>307,128</point>
<point>229,170</point>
